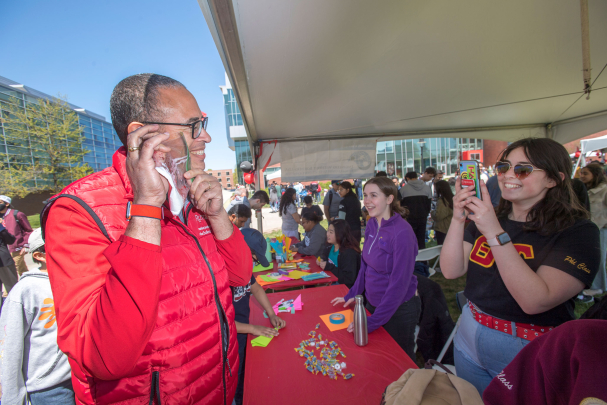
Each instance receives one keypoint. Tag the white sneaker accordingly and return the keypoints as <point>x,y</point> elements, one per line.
<point>593,292</point>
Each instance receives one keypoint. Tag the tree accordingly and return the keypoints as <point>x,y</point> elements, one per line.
<point>235,176</point>
<point>50,129</point>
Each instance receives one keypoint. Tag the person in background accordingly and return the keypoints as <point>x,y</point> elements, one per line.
<point>349,209</point>
<point>525,263</point>
<point>358,185</point>
<point>594,178</point>
<point>428,175</point>
<point>273,198</point>
<point>386,270</point>
<point>381,174</point>
<point>256,202</point>
<point>439,175</point>
<point>444,210</point>
<point>581,192</point>
<point>315,237</point>
<point>8,271</point>
<point>331,201</point>
<point>495,193</point>
<point>32,366</point>
<point>240,296</point>
<point>396,182</point>
<point>308,200</point>
<point>18,225</point>
<point>314,190</point>
<point>303,193</point>
<point>239,215</point>
<point>288,212</point>
<point>416,195</point>
<point>342,256</point>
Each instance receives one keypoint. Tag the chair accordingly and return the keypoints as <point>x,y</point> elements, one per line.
<point>429,254</point>
<point>461,300</point>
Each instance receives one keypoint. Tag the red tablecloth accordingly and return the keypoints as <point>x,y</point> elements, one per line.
<point>276,374</point>
<point>314,268</point>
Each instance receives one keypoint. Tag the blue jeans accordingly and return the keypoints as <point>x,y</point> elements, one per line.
<point>60,394</point>
<point>600,280</point>
<point>481,353</point>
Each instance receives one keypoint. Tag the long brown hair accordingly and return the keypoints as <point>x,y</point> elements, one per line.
<point>389,189</point>
<point>598,176</point>
<point>560,208</point>
<point>443,189</point>
<point>343,235</point>
<point>285,201</point>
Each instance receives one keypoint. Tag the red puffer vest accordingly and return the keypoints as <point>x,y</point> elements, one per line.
<point>192,354</point>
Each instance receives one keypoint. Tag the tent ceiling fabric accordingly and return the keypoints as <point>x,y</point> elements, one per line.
<point>317,69</point>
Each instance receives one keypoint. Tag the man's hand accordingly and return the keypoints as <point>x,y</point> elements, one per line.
<point>149,187</point>
<point>205,193</point>
<point>294,248</point>
<point>277,321</point>
<point>259,330</point>
<point>22,252</point>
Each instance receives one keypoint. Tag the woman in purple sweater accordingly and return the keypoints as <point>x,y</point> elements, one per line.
<point>386,271</point>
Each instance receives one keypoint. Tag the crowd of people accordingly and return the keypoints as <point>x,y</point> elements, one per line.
<point>153,306</point>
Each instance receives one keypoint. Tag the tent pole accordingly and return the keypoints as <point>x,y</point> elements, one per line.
<point>258,178</point>
<point>585,47</point>
<point>577,164</point>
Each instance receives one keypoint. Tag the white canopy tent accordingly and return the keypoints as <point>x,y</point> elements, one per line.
<point>275,175</point>
<point>586,147</point>
<point>327,79</point>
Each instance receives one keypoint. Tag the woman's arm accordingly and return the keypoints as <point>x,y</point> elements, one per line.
<point>455,252</point>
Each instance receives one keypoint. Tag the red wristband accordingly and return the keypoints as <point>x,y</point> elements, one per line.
<point>140,210</point>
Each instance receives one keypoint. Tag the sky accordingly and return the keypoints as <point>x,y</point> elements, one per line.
<point>83,49</point>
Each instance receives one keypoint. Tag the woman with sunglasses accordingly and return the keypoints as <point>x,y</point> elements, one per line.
<point>525,262</point>
<point>594,179</point>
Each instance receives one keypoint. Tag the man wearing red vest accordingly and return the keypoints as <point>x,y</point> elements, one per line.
<point>142,297</point>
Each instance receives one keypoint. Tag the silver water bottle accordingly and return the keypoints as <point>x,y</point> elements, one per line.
<point>361,337</point>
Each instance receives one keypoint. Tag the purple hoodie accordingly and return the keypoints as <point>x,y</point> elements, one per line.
<point>386,270</point>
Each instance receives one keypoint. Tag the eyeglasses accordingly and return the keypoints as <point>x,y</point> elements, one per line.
<point>521,171</point>
<point>196,126</point>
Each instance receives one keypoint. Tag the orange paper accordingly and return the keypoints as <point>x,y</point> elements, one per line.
<point>333,327</point>
<point>263,282</point>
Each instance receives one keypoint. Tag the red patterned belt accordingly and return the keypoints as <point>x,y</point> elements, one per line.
<point>522,330</point>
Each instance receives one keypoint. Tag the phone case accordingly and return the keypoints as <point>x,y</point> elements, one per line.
<point>468,170</point>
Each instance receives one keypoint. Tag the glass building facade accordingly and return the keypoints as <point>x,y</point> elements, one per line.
<point>235,132</point>
<point>401,156</point>
<point>100,138</point>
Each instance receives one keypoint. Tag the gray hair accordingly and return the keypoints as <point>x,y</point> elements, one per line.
<point>135,99</point>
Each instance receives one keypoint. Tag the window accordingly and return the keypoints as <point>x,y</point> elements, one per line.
<point>475,156</point>
<point>218,174</point>
<point>227,173</point>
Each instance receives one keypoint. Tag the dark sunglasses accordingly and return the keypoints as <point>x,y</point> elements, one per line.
<point>196,126</point>
<point>521,171</point>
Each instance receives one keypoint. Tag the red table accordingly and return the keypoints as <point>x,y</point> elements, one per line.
<point>276,374</point>
<point>314,268</point>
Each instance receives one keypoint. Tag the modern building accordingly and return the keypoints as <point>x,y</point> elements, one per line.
<point>225,178</point>
<point>100,136</point>
<point>237,136</point>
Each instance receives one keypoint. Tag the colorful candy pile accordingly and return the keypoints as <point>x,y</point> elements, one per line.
<point>327,365</point>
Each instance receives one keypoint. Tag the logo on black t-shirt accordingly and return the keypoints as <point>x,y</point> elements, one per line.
<point>481,252</point>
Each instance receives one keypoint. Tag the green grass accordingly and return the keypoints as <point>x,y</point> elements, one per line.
<point>34,221</point>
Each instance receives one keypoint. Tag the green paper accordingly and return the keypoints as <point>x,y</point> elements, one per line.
<point>268,279</point>
<point>188,162</point>
<point>259,267</point>
<point>261,341</point>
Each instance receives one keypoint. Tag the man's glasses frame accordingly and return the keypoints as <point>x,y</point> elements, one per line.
<point>521,171</point>
<point>195,133</point>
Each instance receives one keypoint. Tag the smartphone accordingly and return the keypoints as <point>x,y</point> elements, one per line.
<point>468,172</point>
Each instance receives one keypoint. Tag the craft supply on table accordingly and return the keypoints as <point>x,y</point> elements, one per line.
<point>261,341</point>
<point>315,276</point>
<point>259,267</point>
<point>296,274</point>
<point>326,363</point>
<point>337,319</point>
<point>287,306</point>
<point>289,266</point>
<point>348,318</point>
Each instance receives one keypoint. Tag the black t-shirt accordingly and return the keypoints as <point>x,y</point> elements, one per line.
<point>351,206</point>
<point>314,208</point>
<point>576,251</point>
<point>240,296</point>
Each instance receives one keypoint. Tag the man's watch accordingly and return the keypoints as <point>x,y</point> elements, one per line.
<point>499,240</point>
<point>140,210</point>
